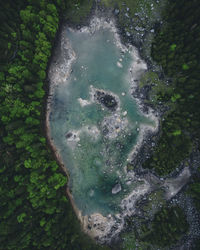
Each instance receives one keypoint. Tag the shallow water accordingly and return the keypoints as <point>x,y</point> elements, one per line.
<point>96,157</point>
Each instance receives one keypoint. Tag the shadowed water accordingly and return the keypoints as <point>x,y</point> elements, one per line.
<point>94,141</point>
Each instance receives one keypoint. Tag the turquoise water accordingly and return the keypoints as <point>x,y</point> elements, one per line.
<point>96,161</point>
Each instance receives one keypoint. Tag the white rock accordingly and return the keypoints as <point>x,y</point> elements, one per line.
<point>119,65</point>
<point>116,189</point>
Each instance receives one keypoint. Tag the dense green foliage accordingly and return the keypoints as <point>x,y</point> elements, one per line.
<point>176,48</point>
<point>167,227</point>
<point>35,213</point>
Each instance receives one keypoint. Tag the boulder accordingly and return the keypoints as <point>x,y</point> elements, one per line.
<point>116,11</point>
<point>116,189</point>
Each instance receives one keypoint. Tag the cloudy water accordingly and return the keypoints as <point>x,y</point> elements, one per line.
<point>95,122</point>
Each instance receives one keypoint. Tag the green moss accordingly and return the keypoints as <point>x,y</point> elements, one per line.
<point>130,167</point>
<point>129,241</point>
<point>185,66</point>
<point>173,47</point>
<point>150,78</point>
<point>154,202</point>
<point>159,90</point>
<point>175,97</point>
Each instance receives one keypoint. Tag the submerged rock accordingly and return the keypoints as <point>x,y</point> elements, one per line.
<point>116,189</point>
<point>68,135</point>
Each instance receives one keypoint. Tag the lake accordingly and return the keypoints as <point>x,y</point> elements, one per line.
<point>95,123</point>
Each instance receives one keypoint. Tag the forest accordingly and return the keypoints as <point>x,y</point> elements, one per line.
<point>35,211</point>
<point>176,48</point>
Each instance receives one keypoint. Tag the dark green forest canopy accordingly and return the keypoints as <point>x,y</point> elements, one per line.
<point>177,48</point>
<point>167,227</point>
<point>35,213</point>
